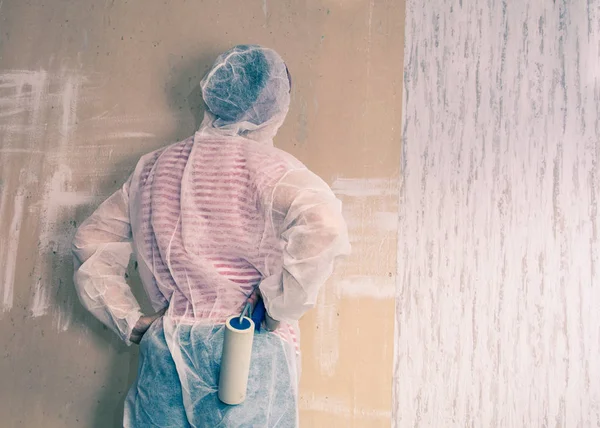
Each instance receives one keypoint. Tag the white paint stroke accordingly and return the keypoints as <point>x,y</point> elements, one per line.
<point>69,91</point>
<point>130,134</point>
<point>23,93</point>
<point>362,286</point>
<point>71,199</point>
<point>326,336</point>
<point>31,125</point>
<point>369,208</point>
<point>365,187</point>
<point>22,96</point>
<point>23,151</point>
<point>4,242</point>
<point>335,406</point>
<point>107,119</point>
<point>11,246</point>
<point>64,316</point>
<point>57,199</point>
<point>41,299</point>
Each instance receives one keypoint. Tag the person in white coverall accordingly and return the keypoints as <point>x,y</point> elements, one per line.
<point>215,221</point>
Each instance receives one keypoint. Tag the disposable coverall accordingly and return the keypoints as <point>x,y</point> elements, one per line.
<point>210,220</point>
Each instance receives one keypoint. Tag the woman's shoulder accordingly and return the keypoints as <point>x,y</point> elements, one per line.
<point>180,148</point>
<point>264,155</point>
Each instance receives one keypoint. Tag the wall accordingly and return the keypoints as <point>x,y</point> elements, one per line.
<point>86,87</point>
<point>497,318</point>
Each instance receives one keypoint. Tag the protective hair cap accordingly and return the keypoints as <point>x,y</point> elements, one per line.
<point>247,93</point>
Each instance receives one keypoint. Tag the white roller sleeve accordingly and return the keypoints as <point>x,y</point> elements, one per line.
<point>235,363</point>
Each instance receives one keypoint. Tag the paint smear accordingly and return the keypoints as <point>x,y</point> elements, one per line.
<point>365,187</point>
<point>41,300</point>
<point>338,407</point>
<point>129,134</point>
<point>28,99</point>
<point>12,247</point>
<point>41,133</point>
<point>59,202</point>
<point>69,99</point>
<point>9,243</point>
<point>370,211</point>
<point>24,94</point>
<point>326,336</point>
<point>361,287</point>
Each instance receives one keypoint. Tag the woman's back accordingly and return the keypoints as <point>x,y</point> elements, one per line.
<point>201,219</point>
<point>211,219</point>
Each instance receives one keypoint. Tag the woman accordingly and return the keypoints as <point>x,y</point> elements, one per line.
<point>215,221</point>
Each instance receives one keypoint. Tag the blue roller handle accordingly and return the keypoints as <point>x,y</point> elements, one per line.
<point>258,314</point>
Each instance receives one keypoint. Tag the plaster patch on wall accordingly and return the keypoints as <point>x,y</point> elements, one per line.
<point>22,98</point>
<point>69,99</point>
<point>338,407</point>
<point>369,208</point>
<point>363,286</point>
<point>111,127</point>
<point>4,244</point>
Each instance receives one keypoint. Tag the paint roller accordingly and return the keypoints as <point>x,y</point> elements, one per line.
<point>235,360</point>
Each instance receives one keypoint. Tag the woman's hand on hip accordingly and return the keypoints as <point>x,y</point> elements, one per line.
<point>143,324</point>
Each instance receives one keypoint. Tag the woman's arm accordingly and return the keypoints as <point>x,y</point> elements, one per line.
<point>102,248</point>
<point>307,217</point>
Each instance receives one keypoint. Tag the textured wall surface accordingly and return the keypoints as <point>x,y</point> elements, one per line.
<point>497,312</point>
<point>88,86</point>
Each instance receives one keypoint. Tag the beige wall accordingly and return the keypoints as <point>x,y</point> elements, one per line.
<point>86,87</point>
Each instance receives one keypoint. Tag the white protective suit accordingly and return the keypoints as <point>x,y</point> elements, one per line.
<point>209,220</point>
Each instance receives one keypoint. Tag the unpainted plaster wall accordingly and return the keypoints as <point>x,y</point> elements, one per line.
<point>87,87</point>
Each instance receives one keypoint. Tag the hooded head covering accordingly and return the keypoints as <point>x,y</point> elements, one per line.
<point>247,93</point>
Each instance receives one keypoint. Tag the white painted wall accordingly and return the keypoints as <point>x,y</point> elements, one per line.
<point>497,314</point>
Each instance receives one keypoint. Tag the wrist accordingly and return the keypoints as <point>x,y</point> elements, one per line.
<point>140,324</point>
